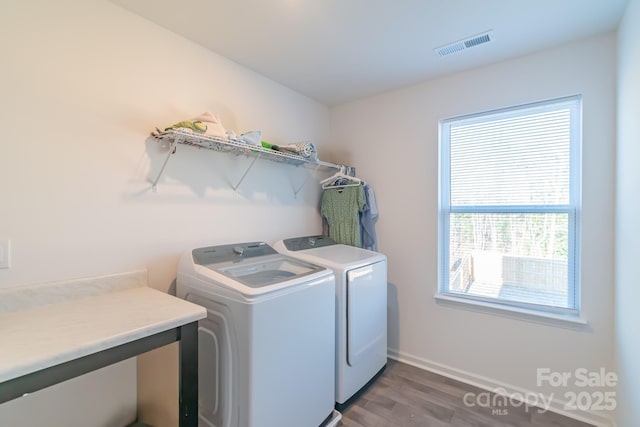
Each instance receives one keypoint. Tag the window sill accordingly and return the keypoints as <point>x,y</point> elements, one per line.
<point>549,319</point>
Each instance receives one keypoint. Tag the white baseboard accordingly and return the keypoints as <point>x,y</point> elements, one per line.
<point>556,405</point>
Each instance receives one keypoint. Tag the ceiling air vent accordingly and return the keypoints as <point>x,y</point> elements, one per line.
<point>467,43</point>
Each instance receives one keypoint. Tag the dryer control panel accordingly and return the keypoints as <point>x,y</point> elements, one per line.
<point>308,242</point>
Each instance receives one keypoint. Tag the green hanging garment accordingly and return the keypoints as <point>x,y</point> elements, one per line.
<point>341,208</point>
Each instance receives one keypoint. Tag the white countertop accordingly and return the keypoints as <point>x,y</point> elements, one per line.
<point>39,337</point>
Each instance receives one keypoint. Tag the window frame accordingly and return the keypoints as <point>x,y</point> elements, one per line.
<point>572,209</point>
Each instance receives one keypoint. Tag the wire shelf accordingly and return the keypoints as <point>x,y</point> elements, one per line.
<point>237,147</point>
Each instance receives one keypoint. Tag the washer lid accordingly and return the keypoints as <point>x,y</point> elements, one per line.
<point>259,273</point>
<point>254,264</point>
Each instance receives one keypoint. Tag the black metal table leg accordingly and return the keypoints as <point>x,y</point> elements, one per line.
<point>188,382</point>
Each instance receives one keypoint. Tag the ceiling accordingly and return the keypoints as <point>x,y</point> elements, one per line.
<point>337,51</point>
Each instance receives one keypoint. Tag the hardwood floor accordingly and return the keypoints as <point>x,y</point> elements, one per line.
<point>405,396</point>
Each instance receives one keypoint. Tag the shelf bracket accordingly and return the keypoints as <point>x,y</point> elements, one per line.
<point>244,175</point>
<point>172,150</point>
<point>315,170</point>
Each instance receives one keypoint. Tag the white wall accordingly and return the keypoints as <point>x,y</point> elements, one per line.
<point>393,139</point>
<point>101,398</point>
<point>82,85</point>
<point>628,218</point>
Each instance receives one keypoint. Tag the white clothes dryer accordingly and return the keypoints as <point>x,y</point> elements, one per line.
<point>266,349</point>
<point>361,308</point>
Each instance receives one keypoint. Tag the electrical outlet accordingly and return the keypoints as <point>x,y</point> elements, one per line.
<point>5,253</point>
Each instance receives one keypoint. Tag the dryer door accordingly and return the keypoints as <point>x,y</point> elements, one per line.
<point>366,311</point>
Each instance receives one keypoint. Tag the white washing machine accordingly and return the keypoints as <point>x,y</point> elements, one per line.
<point>266,348</point>
<point>361,308</point>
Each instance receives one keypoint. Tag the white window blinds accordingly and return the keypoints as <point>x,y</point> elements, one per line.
<point>509,203</point>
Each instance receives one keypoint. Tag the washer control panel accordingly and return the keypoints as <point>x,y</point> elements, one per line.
<point>236,252</point>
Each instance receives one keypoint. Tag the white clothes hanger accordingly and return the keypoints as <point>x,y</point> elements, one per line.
<point>341,175</point>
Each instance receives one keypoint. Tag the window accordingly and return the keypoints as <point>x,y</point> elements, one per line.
<point>510,205</point>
